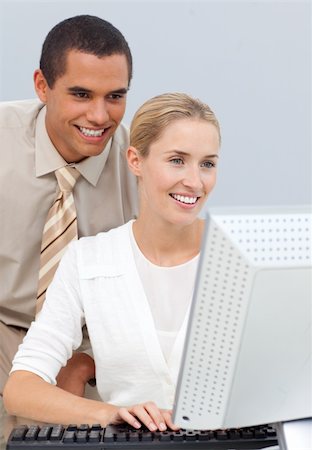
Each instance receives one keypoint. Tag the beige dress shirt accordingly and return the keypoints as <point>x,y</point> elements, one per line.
<point>105,197</point>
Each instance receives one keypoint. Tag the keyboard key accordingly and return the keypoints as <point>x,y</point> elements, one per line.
<point>205,435</point>
<point>222,435</point>
<point>178,436</point>
<point>271,432</point>
<point>247,434</point>
<point>121,437</point>
<point>69,436</point>
<point>133,435</point>
<point>234,434</point>
<point>190,436</point>
<point>165,436</point>
<point>32,433</point>
<point>19,433</point>
<point>94,435</point>
<point>109,436</point>
<point>44,433</point>
<point>82,435</point>
<point>97,426</point>
<point>56,433</point>
<point>260,433</point>
<point>147,436</point>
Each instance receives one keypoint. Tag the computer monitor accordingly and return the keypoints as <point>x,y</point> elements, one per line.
<point>247,354</point>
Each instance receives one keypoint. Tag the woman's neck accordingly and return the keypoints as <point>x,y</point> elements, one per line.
<point>168,245</point>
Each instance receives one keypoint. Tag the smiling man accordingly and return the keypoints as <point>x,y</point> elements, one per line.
<point>82,84</point>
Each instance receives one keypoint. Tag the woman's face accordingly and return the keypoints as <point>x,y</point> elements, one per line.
<point>179,172</point>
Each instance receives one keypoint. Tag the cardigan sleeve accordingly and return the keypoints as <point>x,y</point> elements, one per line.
<point>57,331</point>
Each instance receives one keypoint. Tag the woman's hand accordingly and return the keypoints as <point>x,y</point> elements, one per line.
<point>147,414</point>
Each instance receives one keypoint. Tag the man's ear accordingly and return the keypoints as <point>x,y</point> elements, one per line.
<point>134,160</point>
<point>41,85</point>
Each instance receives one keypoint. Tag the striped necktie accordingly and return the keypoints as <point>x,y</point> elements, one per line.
<point>60,228</point>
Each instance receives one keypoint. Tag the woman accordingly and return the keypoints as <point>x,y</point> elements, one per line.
<point>131,286</point>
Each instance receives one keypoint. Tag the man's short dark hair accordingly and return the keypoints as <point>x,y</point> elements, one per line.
<point>84,33</point>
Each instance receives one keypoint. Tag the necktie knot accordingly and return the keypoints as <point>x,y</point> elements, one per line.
<point>66,178</point>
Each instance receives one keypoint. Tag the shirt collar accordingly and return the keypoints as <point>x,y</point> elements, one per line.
<point>48,159</point>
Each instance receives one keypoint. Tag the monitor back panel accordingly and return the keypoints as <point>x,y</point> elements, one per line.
<point>247,356</point>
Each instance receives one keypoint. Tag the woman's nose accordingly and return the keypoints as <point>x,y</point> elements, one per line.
<point>193,178</point>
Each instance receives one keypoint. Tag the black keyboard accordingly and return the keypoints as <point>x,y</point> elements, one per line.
<point>73,437</point>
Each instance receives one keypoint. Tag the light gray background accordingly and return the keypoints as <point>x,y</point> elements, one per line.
<point>249,60</point>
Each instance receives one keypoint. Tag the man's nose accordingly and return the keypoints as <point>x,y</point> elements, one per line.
<point>98,112</point>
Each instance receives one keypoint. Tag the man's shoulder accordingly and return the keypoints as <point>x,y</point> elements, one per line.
<point>19,113</point>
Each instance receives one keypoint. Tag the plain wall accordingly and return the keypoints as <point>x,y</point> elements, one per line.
<point>249,60</point>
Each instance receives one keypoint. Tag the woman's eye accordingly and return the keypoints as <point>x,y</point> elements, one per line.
<point>176,161</point>
<point>208,164</point>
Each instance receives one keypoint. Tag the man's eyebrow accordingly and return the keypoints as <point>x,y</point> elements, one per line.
<point>120,91</point>
<point>76,89</point>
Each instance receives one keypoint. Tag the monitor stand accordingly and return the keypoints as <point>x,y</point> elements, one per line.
<point>295,434</point>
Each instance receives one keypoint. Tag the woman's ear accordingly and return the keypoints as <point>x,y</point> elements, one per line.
<point>134,160</point>
<point>41,85</point>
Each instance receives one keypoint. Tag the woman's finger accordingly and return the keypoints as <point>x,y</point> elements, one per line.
<point>156,414</point>
<point>167,415</point>
<point>142,412</point>
<point>126,416</point>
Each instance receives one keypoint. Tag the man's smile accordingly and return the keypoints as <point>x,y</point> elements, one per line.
<point>92,132</point>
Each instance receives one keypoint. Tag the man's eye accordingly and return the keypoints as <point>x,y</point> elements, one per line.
<point>116,96</point>
<point>81,95</point>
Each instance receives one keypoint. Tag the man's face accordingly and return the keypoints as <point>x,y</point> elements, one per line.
<point>86,104</point>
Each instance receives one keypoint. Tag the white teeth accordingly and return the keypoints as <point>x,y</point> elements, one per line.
<point>88,132</point>
<point>184,199</point>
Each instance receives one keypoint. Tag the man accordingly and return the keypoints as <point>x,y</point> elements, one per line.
<point>82,84</point>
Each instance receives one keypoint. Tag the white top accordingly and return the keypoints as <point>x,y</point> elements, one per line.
<point>97,283</point>
<point>169,292</point>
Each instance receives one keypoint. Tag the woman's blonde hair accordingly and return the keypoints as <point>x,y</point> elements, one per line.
<point>153,117</point>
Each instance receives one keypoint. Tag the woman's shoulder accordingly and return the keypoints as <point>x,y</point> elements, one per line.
<point>103,237</point>
<point>103,247</point>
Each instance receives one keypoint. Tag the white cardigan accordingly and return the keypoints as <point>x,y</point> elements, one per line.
<point>97,283</point>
